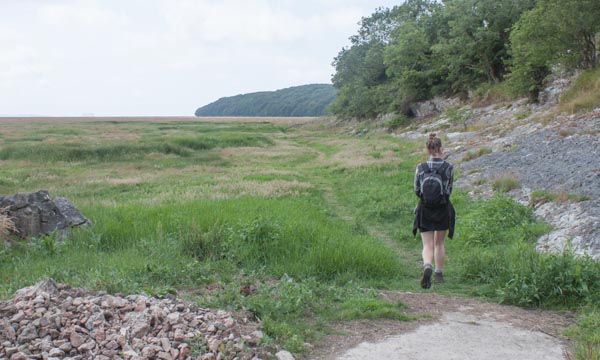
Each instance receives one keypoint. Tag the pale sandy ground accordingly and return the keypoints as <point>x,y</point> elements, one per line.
<point>460,336</point>
<point>452,328</point>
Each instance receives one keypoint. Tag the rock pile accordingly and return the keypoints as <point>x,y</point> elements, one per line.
<point>50,321</point>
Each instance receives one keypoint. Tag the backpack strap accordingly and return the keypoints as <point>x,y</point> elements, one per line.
<point>425,167</point>
<point>442,170</point>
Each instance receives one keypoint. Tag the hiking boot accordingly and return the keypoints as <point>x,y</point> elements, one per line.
<point>438,278</point>
<point>426,279</point>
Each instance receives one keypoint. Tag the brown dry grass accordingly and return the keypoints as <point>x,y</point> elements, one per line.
<point>78,119</point>
<point>7,225</point>
<point>231,188</point>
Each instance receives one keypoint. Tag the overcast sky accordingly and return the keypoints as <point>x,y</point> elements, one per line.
<point>164,57</point>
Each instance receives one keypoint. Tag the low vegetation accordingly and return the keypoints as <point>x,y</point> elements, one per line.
<point>300,226</point>
<point>541,196</point>
<point>584,94</point>
<point>470,155</point>
<point>505,183</point>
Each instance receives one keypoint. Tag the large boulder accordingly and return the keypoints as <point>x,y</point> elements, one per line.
<point>36,213</point>
<point>433,106</point>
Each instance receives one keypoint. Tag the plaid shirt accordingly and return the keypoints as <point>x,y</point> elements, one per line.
<point>434,163</point>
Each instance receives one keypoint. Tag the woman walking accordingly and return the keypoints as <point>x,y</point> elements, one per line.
<point>434,215</point>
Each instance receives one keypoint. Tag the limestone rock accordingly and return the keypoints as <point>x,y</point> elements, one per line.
<point>37,213</point>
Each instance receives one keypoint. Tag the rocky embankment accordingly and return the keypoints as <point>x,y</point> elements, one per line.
<point>540,150</point>
<point>50,321</point>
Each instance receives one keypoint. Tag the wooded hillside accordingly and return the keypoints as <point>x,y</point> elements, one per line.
<point>424,48</point>
<point>305,100</point>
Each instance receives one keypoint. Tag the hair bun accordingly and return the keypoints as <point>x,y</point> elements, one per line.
<point>432,135</point>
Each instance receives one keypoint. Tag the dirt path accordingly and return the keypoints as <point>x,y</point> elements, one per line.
<point>451,328</point>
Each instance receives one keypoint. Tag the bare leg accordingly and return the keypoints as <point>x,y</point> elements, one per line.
<point>440,249</point>
<point>427,258</point>
<point>428,247</point>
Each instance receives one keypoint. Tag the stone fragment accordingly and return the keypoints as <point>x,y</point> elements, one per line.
<point>164,355</point>
<point>28,334</point>
<point>76,339</point>
<point>284,355</point>
<point>139,329</point>
<point>56,352</point>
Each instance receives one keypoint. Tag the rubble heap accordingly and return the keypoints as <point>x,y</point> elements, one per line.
<point>50,321</point>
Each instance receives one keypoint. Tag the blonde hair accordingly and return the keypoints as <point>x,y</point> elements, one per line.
<point>433,144</point>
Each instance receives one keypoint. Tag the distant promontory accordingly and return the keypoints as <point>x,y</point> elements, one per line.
<point>304,100</point>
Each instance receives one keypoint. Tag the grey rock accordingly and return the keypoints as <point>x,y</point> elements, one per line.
<point>284,355</point>
<point>433,106</point>
<point>36,213</point>
<point>28,334</point>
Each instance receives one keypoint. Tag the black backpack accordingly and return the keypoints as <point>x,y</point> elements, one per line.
<point>432,186</point>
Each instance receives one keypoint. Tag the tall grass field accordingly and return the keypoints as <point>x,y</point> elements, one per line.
<point>315,220</point>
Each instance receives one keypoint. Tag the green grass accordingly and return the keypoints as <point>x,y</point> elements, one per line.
<point>313,233</point>
<point>584,94</point>
<point>541,196</point>
<point>505,183</point>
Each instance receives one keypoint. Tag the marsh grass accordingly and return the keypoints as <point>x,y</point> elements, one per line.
<point>120,151</point>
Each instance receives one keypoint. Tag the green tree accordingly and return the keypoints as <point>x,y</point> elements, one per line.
<point>409,58</point>
<point>360,75</point>
<point>555,33</point>
<point>365,85</point>
<point>475,48</point>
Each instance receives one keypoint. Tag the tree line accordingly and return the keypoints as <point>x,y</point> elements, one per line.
<point>305,100</point>
<point>424,48</point>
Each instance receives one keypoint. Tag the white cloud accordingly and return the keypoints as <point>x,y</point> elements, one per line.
<point>78,15</point>
<point>230,20</point>
<point>163,56</point>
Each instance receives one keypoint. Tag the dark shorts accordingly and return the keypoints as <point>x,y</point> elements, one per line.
<point>432,219</point>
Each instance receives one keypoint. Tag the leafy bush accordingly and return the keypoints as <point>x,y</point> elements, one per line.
<point>397,122</point>
<point>538,279</point>
<point>458,115</point>
<point>498,257</point>
<point>499,220</point>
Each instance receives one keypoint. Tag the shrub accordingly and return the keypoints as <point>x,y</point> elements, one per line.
<point>397,121</point>
<point>458,116</point>
<point>538,279</point>
<point>496,220</point>
<point>505,183</point>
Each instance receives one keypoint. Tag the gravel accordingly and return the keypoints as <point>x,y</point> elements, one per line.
<point>50,321</point>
